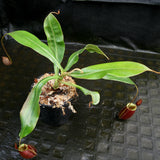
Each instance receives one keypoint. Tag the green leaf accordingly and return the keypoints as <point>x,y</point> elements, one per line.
<point>118,69</point>
<point>119,79</point>
<point>29,40</point>
<point>73,59</point>
<point>92,75</point>
<point>95,95</point>
<point>94,48</point>
<point>29,113</point>
<point>55,37</point>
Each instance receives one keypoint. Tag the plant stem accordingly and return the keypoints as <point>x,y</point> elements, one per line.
<point>56,84</point>
<point>56,70</point>
<point>58,81</point>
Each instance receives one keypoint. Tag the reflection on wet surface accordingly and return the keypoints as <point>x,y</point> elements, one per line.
<point>93,133</point>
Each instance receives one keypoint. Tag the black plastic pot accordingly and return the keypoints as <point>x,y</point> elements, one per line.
<point>54,116</point>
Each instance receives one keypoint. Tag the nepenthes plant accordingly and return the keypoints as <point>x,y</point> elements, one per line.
<point>61,80</point>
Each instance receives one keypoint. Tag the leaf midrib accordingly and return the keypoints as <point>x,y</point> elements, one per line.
<point>56,49</point>
<point>102,70</point>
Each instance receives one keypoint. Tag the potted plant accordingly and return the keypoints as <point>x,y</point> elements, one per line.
<point>56,90</point>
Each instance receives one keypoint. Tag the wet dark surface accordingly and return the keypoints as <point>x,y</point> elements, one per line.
<point>93,133</point>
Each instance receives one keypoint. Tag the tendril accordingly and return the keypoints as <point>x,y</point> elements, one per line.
<point>90,104</point>
<point>134,98</point>
<point>155,72</point>
<point>75,69</point>
<point>57,13</point>
<point>5,48</point>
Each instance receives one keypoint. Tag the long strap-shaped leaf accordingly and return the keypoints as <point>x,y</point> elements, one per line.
<point>29,40</point>
<point>29,113</point>
<point>55,37</point>
<point>75,56</point>
<point>118,69</point>
<point>73,59</point>
<point>95,95</point>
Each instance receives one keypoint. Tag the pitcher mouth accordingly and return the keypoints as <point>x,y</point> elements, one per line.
<point>131,106</point>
